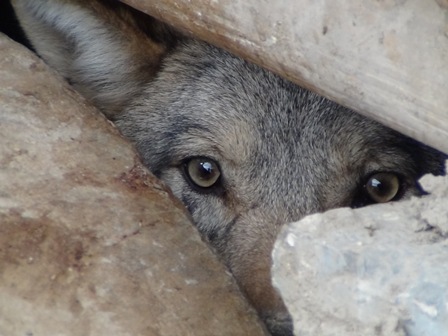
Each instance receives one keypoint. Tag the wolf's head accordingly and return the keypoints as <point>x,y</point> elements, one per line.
<point>245,150</point>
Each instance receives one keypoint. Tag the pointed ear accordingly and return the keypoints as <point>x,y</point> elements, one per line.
<point>107,50</point>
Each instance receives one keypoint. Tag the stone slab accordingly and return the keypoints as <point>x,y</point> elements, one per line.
<point>90,242</point>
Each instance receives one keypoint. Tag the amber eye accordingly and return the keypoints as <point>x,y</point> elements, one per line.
<point>382,187</point>
<point>203,172</point>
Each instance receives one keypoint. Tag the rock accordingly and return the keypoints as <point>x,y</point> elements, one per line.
<point>378,270</point>
<point>90,242</point>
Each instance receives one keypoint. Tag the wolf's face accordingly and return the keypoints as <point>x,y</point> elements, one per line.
<point>245,150</point>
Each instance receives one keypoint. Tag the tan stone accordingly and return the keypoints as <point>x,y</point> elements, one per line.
<point>90,242</point>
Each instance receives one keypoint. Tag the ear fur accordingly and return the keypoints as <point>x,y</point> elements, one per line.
<point>104,48</point>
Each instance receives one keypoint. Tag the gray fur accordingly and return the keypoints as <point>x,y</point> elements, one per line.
<point>284,152</point>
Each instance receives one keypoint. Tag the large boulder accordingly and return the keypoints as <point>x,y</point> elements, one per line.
<point>379,270</point>
<point>90,242</point>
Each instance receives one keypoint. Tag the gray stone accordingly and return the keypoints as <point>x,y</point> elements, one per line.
<point>379,270</point>
<point>90,242</point>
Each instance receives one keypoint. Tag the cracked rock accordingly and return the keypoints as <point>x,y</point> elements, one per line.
<point>378,270</point>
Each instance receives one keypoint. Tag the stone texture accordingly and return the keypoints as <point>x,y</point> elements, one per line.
<point>386,59</point>
<point>379,270</point>
<point>90,242</point>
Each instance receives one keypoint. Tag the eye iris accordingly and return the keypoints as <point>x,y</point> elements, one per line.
<point>203,172</point>
<point>383,187</point>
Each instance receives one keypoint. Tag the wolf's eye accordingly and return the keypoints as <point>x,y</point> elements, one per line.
<point>202,171</point>
<point>382,187</point>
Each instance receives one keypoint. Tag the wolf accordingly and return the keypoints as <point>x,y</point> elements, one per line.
<point>245,150</point>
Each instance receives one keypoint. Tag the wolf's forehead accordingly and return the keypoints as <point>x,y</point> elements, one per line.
<point>232,140</point>
<point>242,138</point>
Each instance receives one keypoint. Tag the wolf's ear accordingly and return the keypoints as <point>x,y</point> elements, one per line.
<point>104,48</point>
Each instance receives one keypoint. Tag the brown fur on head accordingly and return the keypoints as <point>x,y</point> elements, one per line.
<point>244,149</point>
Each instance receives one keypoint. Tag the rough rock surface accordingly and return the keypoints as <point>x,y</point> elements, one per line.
<point>379,270</point>
<point>90,242</point>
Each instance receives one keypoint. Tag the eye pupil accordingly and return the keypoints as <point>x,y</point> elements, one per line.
<point>203,172</point>
<point>381,188</point>
<point>375,183</point>
<point>206,171</point>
